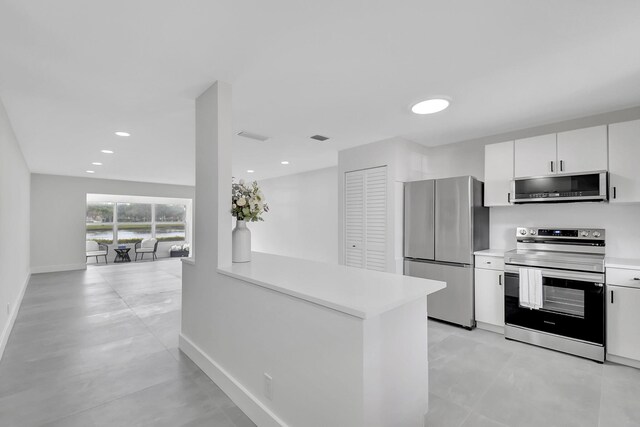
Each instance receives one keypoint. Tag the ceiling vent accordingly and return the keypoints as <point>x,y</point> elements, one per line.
<point>255,136</point>
<point>319,137</point>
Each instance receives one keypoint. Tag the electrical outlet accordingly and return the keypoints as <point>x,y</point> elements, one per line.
<point>268,386</point>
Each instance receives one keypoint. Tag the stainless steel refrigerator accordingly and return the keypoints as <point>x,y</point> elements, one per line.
<point>444,223</point>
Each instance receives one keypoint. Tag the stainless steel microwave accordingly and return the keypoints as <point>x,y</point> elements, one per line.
<point>588,187</point>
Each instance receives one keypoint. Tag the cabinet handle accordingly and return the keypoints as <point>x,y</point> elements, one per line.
<point>561,165</point>
<point>500,279</point>
<point>509,197</point>
<point>615,192</point>
<point>611,297</point>
<point>551,165</point>
<point>636,278</point>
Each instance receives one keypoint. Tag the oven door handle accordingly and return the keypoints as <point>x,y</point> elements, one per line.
<point>580,276</point>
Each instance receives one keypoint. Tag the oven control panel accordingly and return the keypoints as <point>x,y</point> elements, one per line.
<point>560,233</point>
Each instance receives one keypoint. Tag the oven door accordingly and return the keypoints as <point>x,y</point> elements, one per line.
<point>573,304</point>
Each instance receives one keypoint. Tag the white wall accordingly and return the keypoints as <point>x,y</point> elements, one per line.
<point>619,221</point>
<point>303,218</point>
<point>58,210</point>
<point>14,226</point>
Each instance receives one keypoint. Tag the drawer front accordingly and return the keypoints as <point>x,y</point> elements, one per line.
<point>623,277</point>
<point>489,262</point>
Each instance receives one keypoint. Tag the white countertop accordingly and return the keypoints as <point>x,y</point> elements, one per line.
<point>628,263</point>
<point>498,253</point>
<point>355,291</point>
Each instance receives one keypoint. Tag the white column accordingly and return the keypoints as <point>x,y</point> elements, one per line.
<point>214,136</point>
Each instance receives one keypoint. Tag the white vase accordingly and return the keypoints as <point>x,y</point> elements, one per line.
<point>241,242</point>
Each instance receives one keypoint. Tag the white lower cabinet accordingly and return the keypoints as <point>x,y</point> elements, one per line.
<point>489,295</point>
<point>623,317</point>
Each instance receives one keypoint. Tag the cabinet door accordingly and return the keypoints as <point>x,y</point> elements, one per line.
<point>583,150</point>
<point>623,318</point>
<point>489,296</point>
<point>624,155</point>
<point>535,156</point>
<point>498,173</point>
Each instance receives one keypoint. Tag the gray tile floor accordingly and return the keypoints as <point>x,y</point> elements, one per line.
<point>478,378</point>
<point>99,348</point>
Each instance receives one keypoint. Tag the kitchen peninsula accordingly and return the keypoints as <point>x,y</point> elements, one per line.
<point>313,344</point>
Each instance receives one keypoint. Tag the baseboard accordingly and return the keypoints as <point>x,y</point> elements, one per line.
<point>56,268</point>
<point>491,328</point>
<point>4,338</point>
<point>623,361</point>
<point>246,401</point>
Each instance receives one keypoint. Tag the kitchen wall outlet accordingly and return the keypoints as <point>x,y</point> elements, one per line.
<point>268,386</point>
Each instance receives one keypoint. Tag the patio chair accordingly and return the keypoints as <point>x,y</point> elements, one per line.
<point>146,246</point>
<point>95,249</point>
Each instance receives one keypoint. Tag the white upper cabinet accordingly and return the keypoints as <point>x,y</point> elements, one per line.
<point>582,150</point>
<point>624,152</point>
<point>498,173</point>
<point>535,156</point>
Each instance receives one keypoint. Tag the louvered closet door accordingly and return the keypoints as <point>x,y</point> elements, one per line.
<point>354,219</point>
<point>375,218</point>
<point>366,218</point>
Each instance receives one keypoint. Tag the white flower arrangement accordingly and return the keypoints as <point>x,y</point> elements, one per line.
<point>247,201</point>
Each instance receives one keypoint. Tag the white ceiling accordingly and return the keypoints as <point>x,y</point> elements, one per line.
<point>72,72</point>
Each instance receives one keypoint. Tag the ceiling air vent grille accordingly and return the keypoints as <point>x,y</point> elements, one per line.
<point>255,136</point>
<point>319,137</point>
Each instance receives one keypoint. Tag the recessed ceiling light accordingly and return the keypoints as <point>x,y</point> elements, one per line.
<point>123,133</point>
<point>284,162</point>
<point>90,171</point>
<point>250,171</point>
<point>107,151</point>
<point>97,163</point>
<point>430,106</point>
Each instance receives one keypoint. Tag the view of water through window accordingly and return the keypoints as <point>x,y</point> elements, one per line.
<point>127,223</point>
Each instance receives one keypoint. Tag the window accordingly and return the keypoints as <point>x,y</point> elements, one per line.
<point>131,233</point>
<point>99,222</point>
<point>127,223</point>
<point>170,232</point>
<point>171,213</point>
<point>99,212</point>
<point>170,222</point>
<point>134,212</point>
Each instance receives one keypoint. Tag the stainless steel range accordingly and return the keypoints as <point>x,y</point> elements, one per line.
<point>571,315</point>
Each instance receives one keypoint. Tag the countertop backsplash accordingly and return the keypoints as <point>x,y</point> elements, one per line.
<point>619,220</point>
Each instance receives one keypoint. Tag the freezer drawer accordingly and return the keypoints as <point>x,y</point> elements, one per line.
<point>455,302</point>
